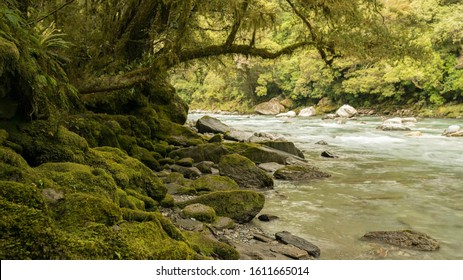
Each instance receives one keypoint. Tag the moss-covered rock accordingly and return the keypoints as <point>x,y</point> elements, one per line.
<point>27,195</point>
<point>13,167</point>
<point>79,209</point>
<point>244,172</point>
<point>208,246</point>
<point>3,136</point>
<point>127,201</point>
<point>209,183</point>
<point>177,134</point>
<point>46,141</point>
<point>199,212</point>
<point>241,205</point>
<point>74,177</point>
<point>129,173</point>
<point>205,152</point>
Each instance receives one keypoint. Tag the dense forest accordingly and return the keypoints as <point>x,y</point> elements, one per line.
<point>412,59</point>
<point>94,96</point>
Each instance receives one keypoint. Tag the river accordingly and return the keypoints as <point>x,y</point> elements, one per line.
<point>382,180</point>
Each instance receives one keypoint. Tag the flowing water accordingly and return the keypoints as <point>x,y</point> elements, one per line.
<point>381,181</point>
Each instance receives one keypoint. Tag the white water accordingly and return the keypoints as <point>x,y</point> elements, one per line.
<point>381,181</point>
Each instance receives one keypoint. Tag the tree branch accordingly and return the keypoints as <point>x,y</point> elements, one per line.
<point>128,80</point>
<point>51,13</point>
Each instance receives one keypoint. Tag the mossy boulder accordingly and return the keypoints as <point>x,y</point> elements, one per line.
<point>79,209</point>
<point>210,183</point>
<point>208,246</point>
<point>13,167</point>
<point>176,134</point>
<point>199,212</point>
<point>74,177</point>
<point>300,173</point>
<point>3,136</point>
<point>240,205</point>
<point>23,194</point>
<point>45,141</point>
<point>128,172</point>
<point>205,152</point>
<point>244,172</point>
<point>127,201</point>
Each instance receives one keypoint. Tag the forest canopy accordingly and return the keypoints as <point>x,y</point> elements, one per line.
<point>363,51</point>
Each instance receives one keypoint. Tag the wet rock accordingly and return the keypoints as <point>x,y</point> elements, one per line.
<point>284,146</point>
<point>270,166</point>
<point>263,238</point>
<point>290,114</point>
<point>307,112</point>
<point>267,218</point>
<point>328,154</point>
<point>187,172</point>
<point>237,135</point>
<point>244,172</point>
<point>290,251</point>
<point>258,137</point>
<point>209,124</point>
<point>393,127</point>
<point>299,173</point>
<point>272,107</point>
<point>346,111</point>
<point>453,131</point>
<point>322,142</point>
<point>414,134</point>
<point>288,238</point>
<point>404,238</point>
<point>199,212</point>
<point>189,224</point>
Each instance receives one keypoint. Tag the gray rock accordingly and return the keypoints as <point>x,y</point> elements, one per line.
<point>453,131</point>
<point>329,117</point>
<point>187,172</point>
<point>300,173</point>
<point>290,114</point>
<point>290,251</point>
<point>270,166</point>
<point>307,112</point>
<point>189,224</point>
<point>209,124</point>
<point>346,111</point>
<point>223,223</point>
<point>287,238</point>
<point>205,167</point>
<point>272,107</point>
<point>321,142</point>
<point>238,135</point>
<point>393,127</point>
<point>404,238</point>
<point>267,218</point>
<point>284,146</point>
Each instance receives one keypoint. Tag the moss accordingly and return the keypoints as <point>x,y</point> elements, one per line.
<point>208,183</point>
<point>14,167</point>
<point>26,233</point>
<point>168,201</point>
<point>210,247</point>
<point>241,205</point>
<point>74,177</point>
<point>176,134</point>
<point>149,203</point>
<point>27,195</point>
<point>129,173</point>
<point>46,141</point>
<point>146,157</point>
<point>450,111</point>
<point>199,212</point>
<point>128,201</point>
<point>78,209</point>
<point>205,152</point>
<point>3,136</point>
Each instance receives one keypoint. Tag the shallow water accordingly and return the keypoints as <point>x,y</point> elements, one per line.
<point>381,181</point>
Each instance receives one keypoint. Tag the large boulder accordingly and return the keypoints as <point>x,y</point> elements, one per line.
<point>397,124</point>
<point>208,183</point>
<point>284,146</point>
<point>240,205</point>
<point>453,131</point>
<point>307,112</point>
<point>346,111</point>
<point>272,107</point>
<point>404,238</point>
<point>299,173</point>
<point>244,172</point>
<point>209,124</point>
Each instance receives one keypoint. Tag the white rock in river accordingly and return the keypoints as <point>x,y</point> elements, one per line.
<point>290,114</point>
<point>307,112</point>
<point>346,111</point>
<point>453,130</point>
